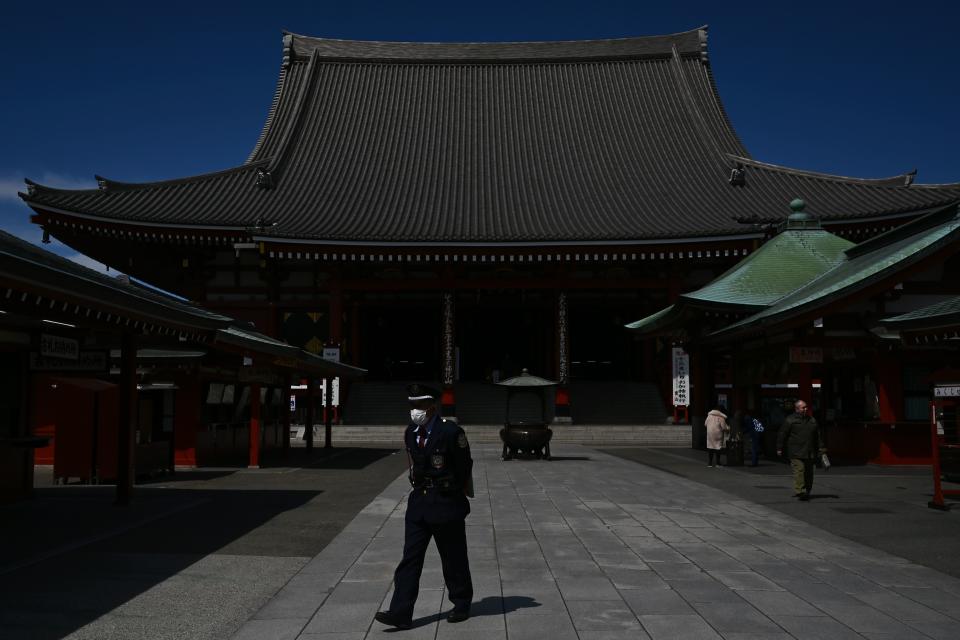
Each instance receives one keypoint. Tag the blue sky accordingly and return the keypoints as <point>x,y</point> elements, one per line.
<point>147,91</point>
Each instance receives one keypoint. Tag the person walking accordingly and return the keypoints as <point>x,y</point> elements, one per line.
<point>753,428</point>
<point>440,472</point>
<point>717,428</point>
<point>799,436</point>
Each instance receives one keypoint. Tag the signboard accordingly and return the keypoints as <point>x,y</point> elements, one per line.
<point>681,378</point>
<point>952,391</point>
<point>90,361</point>
<point>806,355</point>
<point>843,353</point>
<point>293,403</point>
<point>331,353</point>
<point>59,347</point>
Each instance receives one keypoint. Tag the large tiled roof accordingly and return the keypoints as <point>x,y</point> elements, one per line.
<point>590,141</point>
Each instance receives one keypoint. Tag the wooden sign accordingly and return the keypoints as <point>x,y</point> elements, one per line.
<point>89,361</point>
<point>806,355</point>
<point>52,346</point>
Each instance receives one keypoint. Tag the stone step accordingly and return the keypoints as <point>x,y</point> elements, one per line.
<point>639,435</point>
<point>620,402</point>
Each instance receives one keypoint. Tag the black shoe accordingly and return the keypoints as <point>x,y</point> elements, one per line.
<point>804,497</point>
<point>458,616</point>
<point>392,619</point>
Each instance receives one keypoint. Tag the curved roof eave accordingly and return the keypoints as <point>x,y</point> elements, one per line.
<point>900,180</point>
<point>691,42</point>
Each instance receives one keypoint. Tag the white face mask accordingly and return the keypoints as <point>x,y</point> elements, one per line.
<point>418,417</point>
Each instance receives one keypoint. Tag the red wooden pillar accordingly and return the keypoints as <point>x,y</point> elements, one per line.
<point>805,384</point>
<point>448,401</point>
<point>561,407</point>
<point>187,419</point>
<point>889,387</point>
<point>354,338</point>
<point>336,317</point>
<point>254,426</point>
<point>127,400</point>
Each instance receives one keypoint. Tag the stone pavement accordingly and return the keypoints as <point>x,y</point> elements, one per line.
<point>595,547</point>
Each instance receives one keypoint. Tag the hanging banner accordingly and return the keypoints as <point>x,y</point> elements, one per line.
<point>681,378</point>
<point>335,398</point>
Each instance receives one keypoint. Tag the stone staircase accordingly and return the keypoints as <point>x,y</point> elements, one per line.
<point>486,403</point>
<point>656,435</point>
<point>377,403</point>
<point>616,402</point>
<point>604,413</point>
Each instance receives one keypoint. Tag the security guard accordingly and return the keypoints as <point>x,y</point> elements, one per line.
<point>441,476</point>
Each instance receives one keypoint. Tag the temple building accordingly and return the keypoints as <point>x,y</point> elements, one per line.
<point>457,212</point>
<point>861,332</point>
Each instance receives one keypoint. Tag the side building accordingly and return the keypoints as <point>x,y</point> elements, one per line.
<point>458,212</point>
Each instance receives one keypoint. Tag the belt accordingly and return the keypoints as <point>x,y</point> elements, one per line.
<point>433,483</point>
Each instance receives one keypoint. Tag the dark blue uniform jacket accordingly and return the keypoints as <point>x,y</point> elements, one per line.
<point>445,463</point>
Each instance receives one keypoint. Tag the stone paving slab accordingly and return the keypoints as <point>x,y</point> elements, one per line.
<point>593,546</point>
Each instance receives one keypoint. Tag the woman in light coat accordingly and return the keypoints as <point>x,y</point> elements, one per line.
<point>717,429</point>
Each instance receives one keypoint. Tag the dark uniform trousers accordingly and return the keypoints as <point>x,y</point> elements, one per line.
<point>436,508</point>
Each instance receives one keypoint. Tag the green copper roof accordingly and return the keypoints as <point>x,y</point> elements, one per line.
<point>943,313</point>
<point>656,320</point>
<point>901,249</point>
<point>788,261</point>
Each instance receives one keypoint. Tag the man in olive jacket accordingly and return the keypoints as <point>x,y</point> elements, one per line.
<point>801,435</point>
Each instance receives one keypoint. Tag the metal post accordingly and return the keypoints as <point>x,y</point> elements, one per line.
<point>254,426</point>
<point>128,418</point>
<point>309,432</point>
<point>327,412</point>
<point>937,502</point>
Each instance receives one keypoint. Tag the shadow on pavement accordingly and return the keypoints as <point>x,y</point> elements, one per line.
<point>489,606</point>
<point>197,542</point>
<point>353,458</point>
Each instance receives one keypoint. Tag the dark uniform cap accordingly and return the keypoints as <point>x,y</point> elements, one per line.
<point>422,392</point>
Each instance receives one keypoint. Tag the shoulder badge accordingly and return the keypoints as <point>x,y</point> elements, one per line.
<point>462,440</point>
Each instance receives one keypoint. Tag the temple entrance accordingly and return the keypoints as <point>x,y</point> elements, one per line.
<point>401,339</point>
<point>501,332</point>
<point>600,347</point>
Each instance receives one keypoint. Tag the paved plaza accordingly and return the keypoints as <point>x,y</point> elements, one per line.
<point>593,546</point>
